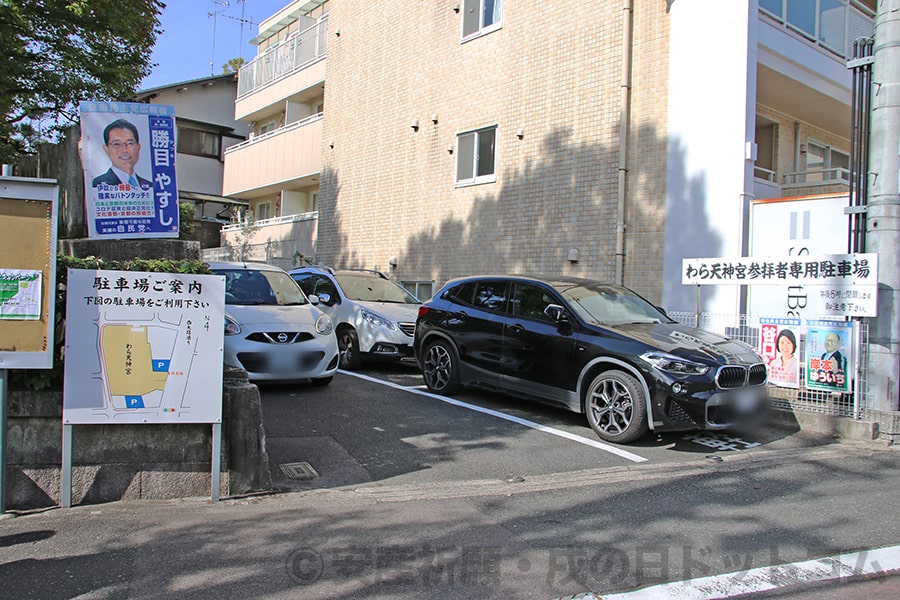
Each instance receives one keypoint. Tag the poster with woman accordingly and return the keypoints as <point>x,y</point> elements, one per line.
<point>829,355</point>
<point>780,348</point>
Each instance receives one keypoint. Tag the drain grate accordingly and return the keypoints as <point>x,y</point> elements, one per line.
<point>298,470</point>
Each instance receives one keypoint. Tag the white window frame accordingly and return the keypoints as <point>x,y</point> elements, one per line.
<point>267,127</point>
<point>257,213</point>
<point>476,179</point>
<point>469,6</point>
<point>414,286</point>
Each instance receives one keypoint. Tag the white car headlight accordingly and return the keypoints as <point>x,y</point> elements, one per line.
<point>376,320</point>
<point>674,364</point>
<point>231,326</point>
<point>323,324</point>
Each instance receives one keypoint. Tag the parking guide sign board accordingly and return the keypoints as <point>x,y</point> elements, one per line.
<point>143,347</point>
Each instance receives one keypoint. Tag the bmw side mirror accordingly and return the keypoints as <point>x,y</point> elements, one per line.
<point>324,298</point>
<point>313,299</point>
<point>556,313</point>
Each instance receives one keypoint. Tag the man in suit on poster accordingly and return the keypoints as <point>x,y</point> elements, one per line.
<point>121,144</point>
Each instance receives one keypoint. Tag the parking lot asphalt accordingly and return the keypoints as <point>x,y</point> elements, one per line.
<point>414,496</point>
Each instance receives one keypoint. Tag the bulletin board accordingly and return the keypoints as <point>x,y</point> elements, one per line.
<point>28,244</point>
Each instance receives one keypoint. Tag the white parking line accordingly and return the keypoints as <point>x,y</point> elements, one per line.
<point>878,561</point>
<point>557,432</point>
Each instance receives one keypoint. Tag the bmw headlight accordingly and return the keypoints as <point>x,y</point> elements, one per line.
<point>376,320</point>
<point>323,324</point>
<point>674,364</point>
<point>231,326</point>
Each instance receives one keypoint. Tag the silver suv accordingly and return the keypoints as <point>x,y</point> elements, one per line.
<point>374,317</point>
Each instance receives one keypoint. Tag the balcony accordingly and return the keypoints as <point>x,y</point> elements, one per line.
<point>801,183</point>
<point>829,24</point>
<point>282,71</point>
<point>276,241</point>
<point>268,163</point>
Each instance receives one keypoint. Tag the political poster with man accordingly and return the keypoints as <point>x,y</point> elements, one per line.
<point>829,356</point>
<point>128,155</point>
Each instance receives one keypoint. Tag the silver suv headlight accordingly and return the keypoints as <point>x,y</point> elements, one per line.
<point>323,324</point>
<point>376,320</point>
<point>674,364</point>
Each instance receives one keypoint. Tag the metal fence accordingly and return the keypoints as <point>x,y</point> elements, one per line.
<point>746,328</point>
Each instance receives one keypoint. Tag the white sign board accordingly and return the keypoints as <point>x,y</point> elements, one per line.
<point>834,284</point>
<point>795,227</point>
<point>143,347</point>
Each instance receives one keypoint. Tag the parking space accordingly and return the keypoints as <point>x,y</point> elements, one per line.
<point>381,425</point>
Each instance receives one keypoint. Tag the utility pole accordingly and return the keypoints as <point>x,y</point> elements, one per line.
<point>883,216</point>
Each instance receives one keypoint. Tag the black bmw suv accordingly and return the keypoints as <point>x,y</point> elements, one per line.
<point>590,347</point>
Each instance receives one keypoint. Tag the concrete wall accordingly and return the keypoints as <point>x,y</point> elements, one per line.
<point>119,462</point>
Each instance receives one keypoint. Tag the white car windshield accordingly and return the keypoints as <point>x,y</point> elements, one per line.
<point>370,288</point>
<point>248,287</point>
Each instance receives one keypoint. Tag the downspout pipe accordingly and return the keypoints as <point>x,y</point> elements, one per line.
<point>624,127</point>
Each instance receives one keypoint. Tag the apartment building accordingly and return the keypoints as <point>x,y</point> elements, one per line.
<point>608,139</point>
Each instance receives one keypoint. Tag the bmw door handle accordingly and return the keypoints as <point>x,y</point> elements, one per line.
<point>515,328</point>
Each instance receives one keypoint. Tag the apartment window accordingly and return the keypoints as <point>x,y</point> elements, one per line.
<point>199,142</point>
<point>422,290</point>
<point>314,201</point>
<point>266,127</point>
<point>263,211</point>
<point>824,163</point>
<point>481,16</point>
<point>475,156</point>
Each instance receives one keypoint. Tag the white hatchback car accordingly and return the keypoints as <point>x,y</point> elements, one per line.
<point>375,317</point>
<point>272,330</point>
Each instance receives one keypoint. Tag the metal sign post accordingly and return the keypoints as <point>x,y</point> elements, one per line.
<point>2,440</point>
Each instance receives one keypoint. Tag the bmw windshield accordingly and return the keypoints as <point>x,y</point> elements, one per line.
<point>604,304</point>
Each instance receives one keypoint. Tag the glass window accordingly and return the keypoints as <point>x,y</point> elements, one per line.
<point>481,16</point>
<point>832,21</point>
<point>420,289</point>
<point>372,288</point>
<point>801,14</point>
<point>529,301</point>
<point>476,151</point>
<point>773,6</point>
<point>263,211</point>
<point>199,142</point>
<point>490,295</point>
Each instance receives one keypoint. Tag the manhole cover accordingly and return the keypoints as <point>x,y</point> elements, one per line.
<point>298,470</point>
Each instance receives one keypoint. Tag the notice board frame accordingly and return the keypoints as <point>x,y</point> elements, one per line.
<point>28,218</point>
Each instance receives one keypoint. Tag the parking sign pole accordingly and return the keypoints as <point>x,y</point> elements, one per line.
<point>2,441</point>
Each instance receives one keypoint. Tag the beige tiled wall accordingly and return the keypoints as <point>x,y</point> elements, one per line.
<point>554,72</point>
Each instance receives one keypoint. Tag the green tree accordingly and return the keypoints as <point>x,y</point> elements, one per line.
<point>186,212</point>
<point>57,53</point>
<point>233,66</point>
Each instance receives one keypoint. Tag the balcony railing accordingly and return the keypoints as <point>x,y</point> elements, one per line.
<point>296,52</point>
<point>310,216</point>
<point>835,175</point>
<point>830,24</point>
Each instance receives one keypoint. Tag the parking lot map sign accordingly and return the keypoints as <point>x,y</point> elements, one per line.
<point>143,347</point>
